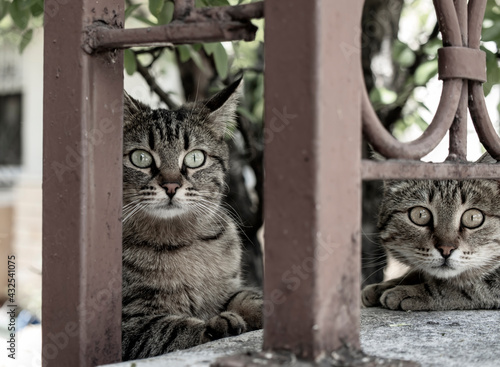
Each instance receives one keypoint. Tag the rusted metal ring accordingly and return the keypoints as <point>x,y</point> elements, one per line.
<point>382,140</point>
<point>461,63</point>
<point>389,147</point>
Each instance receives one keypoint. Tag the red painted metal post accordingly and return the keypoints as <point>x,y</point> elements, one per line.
<point>82,189</point>
<point>313,182</point>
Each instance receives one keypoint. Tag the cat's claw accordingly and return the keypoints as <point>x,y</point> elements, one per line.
<point>223,325</point>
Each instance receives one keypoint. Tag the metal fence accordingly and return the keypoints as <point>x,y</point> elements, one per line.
<point>314,88</point>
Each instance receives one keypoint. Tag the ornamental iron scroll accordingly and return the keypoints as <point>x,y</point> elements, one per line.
<point>462,67</point>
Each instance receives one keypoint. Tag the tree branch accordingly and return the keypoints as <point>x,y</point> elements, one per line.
<point>144,71</point>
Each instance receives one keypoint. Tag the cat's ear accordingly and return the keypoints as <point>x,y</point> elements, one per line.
<point>222,107</point>
<point>486,158</point>
<point>131,107</point>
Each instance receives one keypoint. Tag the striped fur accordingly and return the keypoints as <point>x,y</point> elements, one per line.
<point>466,278</point>
<point>181,255</point>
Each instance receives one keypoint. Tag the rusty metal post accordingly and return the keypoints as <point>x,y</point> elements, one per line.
<point>313,187</point>
<point>81,189</point>
<point>313,183</point>
<point>458,129</point>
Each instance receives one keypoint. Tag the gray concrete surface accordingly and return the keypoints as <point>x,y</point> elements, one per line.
<point>444,339</point>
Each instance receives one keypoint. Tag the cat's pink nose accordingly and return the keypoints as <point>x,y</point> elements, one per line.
<point>171,188</point>
<point>446,250</point>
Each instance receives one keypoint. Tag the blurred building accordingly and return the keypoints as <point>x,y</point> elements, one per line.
<point>21,87</point>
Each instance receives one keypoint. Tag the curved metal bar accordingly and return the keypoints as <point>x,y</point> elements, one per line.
<point>475,16</point>
<point>382,140</point>
<point>477,105</point>
<point>389,147</point>
<point>448,22</point>
<point>479,113</point>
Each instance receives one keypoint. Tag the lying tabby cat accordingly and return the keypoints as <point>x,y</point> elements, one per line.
<point>448,233</point>
<point>181,251</point>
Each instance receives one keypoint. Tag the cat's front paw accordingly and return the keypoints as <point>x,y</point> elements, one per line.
<point>370,296</point>
<point>248,304</point>
<point>223,325</point>
<point>405,297</point>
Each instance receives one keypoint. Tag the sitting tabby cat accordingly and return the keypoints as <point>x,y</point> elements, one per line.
<point>181,251</point>
<point>448,233</point>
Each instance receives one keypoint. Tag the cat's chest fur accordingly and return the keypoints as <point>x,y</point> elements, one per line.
<point>193,279</point>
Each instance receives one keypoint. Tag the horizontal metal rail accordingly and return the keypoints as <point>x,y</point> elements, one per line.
<point>409,169</point>
<point>226,23</point>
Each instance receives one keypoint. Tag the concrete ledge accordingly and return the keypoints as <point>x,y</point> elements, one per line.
<point>438,338</point>
<point>444,338</point>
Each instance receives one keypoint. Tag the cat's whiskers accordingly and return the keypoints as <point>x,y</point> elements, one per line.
<point>133,202</point>
<point>369,276</point>
<point>202,208</point>
<point>368,262</point>
<point>234,215</point>
<point>135,210</point>
<point>213,213</point>
<point>127,209</point>
<point>369,239</point>
<point>235,221</point>
<point>229,210</point>
<point>198,210</point>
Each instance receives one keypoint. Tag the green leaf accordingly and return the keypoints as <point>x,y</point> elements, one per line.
<point>24,4</point>
<point>425,72</point>
<point>155,7</point>
<point>166,14</point>
<point>184,54</point>
<point>37,8</point>
<point>130,10</point>
<point>210,48</point>
<point>25,40</point>
<point>196,46</point>
<point>144,20</point>
<point>492,33</point>
<point>195,56</point>
<point>387,96</point>
<point>20,16</point>
<point>492,71</point>
<point>129,62</point>
<point>383,96</point>
<point>221,61</point>
<point>203,3</point>
<point>403,55</point>
<point>432,46</point>
<point>217,2</point>
<point>4,8</point>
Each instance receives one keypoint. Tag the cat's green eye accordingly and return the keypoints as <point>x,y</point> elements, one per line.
<point>141,158</point>
<point>420,216</point>
<point>194,159</point>
<point>472,218</point>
